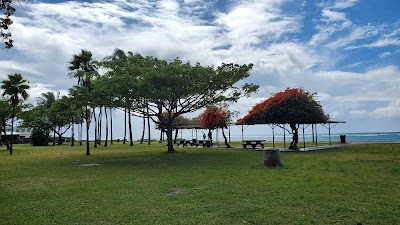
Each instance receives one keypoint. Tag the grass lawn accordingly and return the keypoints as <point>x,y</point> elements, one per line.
<point>354,184</point>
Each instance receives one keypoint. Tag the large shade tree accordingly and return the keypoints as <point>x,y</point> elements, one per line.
<point>15,89</point>
<point>177,88</point>
<point>165,89</point>
<point>294,106</point>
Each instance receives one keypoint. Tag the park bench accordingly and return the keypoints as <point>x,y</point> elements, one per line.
<point>253,143</point>
<point>184,143</point>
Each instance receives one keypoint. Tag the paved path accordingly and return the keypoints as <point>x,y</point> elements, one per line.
<point>291,150</point>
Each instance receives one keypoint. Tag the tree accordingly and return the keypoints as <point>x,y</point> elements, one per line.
<point>148,87</point>
<point>40,132</point>
<point>45,103</point>
<point>83,68</point>
<point>6,22</point>
<point>177,88</point>
<point>7,10</point>
<point>216,117</point>
<point>294,106</point>
<point>15,88</point>
<point>69,106</point>
<point>5,114</point>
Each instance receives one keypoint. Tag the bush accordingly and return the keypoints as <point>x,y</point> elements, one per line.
<point>39,137</point>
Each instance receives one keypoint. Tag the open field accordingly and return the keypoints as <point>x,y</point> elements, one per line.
<point>354,184</point>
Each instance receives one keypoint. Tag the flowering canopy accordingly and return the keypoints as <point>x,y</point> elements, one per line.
<point>214,117</point>
<point>292,106</point>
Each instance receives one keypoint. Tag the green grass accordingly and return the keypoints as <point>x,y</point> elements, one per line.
<point>355,184</point>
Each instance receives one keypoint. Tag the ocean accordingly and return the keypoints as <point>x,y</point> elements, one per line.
<point>335,137</point>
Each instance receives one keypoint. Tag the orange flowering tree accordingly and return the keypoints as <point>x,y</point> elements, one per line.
<point>216,117</point>
<point>294,106</point>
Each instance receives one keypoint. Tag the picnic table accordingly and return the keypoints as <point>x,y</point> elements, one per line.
<point>184,143</point>
<point>194,142</point>
<point>253,143</point>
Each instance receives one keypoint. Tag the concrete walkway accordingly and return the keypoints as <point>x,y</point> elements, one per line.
<point>322,147</point>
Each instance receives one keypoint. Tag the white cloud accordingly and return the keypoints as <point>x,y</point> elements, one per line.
<point>384,54</point>
<point>333,16</point>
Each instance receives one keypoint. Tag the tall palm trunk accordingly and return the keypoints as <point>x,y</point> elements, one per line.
<point>105,111</point>
<point>130,128</point>
<point>95,128</point>
<point>124,127</point>
<point>111,126</point>
<point>100,125</point>
<point>72,132</point>
<point>87,131</point>
<point>14,104</point>
<point>80,134</point>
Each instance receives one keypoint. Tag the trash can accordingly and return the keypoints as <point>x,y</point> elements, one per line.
<point>342,139</point>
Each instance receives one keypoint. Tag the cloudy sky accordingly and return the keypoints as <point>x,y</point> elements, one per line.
<point>345,50</point>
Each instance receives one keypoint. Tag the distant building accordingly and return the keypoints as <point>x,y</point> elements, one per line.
<point>21,135</point>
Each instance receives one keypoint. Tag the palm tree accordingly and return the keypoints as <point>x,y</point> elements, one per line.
<point>84,68</point>
<point>47,100</point>
<point>16,89</point>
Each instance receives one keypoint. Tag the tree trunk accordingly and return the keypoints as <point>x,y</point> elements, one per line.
<point>87,131</point>
<point>12,126</point>
<point>169,140</point>
<point>161,135</point>
<point>111,126</point>
<point>226,140</point>
<point>176,135</point>
<point>272,158</point>
<point>95,128</point>
<point>99,128</point>
<point>5,135</point>
<point>144,130</point>
<point>60,137</point>
<point>106,142</point>
<point>130,128</point>
<point>1,130</point>
<point>80,134</point>
<point>295,139</point>
<point>124,127</point>
<point>72,132</point>
<point>148,125</point>
<point>54,136</point>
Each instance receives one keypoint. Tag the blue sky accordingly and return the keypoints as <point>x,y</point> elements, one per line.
<point>345,50</point>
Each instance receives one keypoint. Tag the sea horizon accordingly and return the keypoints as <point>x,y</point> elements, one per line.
<point>324,137</point>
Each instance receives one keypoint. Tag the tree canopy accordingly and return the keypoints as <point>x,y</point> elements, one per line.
<point>166,89</point>
<point>293,106</point>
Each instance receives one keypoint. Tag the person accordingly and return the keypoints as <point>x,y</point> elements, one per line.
<point>204,136</point>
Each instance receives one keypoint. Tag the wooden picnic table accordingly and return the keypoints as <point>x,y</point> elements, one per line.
<point>204,143</point>
<point>253,143</point>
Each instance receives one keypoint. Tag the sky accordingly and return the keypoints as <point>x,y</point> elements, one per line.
<point>347,51</point>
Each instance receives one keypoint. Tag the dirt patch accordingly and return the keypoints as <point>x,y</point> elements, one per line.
<point>175,191</point>
<point>90,164</point>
